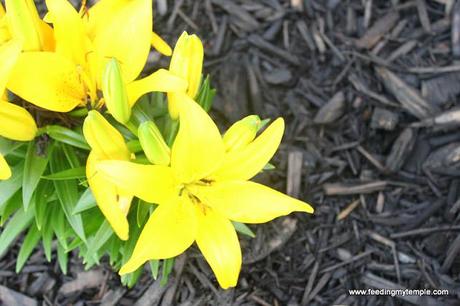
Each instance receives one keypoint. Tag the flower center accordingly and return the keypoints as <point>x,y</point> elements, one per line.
<point>188,190</point>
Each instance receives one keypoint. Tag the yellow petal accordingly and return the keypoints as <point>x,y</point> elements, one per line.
<point>9,53</point>
<point>160,45</point>
<point>5,171</point>
<point>219,244</point>
<point>16,123</point>
<point>2,10</point>
<point>100,12</point>
<point>104,138</point>
<point>69,31</point>
<point>170,230</point>
<point>47,80</point>
<point>126,35</point>
<point>47,36</point>
<point>161,80</point>
<point>23,23</point>
<point>112,204</point>
<point>198,148</point>
<point>245,163</point>
<point>5,34</point>
<point>174,104</point>
<point>248,202</point>
<point>195,65</point>
<point>151,183</point>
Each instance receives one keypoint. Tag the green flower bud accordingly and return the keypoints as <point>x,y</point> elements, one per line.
<point>114,91</point>
<point>241,133</point>
<point>153,144</point>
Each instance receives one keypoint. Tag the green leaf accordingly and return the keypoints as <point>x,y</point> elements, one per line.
<point>130,279</point>
<point>59,226</point>
<point>71,156</point>
<point>154,267</point>
<point>243,229</point>
<point>68,174</point>
<point>67,136</point>
<point>15,226</point>
<point>95,243</point>
<point>114,247</point>
<point>127,250</point>
<point>28,245</point>
<point>67,193</point>
<point>206,94</point>
<point>263,123</point>
<point>34,167</point>
<point>62,258</point>
<point>9,187</point>
<point>79,112</point>
<point>168,265</point>
<point>86,201</point>
<point>134,146</point>
<point>7,146</point>
<point>171,129</point>
<point>143,209</point>
<point>41,197</point>
<point>47,232</point>
<point>11,206</point>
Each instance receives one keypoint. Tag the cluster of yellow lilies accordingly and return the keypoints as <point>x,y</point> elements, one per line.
<point>93,58</point>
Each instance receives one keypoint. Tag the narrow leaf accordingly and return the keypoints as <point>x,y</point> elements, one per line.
<point>15,226</point>
<point>9,187</point>
<point>67,193</point>
<point>69,174</point>
<point>41,197</point>
<point>85,202</point>
<point>62,258</point>
<point>34,167</point>
<point>28,245</point>
<point>67,136</point>
<point>243,229</point>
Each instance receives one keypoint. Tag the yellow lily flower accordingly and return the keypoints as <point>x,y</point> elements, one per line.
<point>107,143</point>
<point>201,192</point>
<point>15,122</point>
<point>187,63</point>
<point>72,76</point>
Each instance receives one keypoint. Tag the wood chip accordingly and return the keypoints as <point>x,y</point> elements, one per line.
<point>332,110</point>
<point>294,173</point>
<point>347,189</point>
<point>262,44</point>
<point>409,98</point>
<point>375,33</point>
<point>401,150</point>
<point>243,19</point>
<point>84,280</point>
<point>10,297</point>
<point>384,119</point>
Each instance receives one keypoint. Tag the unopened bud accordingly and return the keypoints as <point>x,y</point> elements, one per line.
<point>153,144</point>
<point>23,22</point>
<point>103,138</point>
<point>241,133</point>
<point>114,91</point>
<point>16,123</point>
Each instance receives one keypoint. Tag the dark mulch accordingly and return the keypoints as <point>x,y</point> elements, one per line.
<point>369,92</point>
